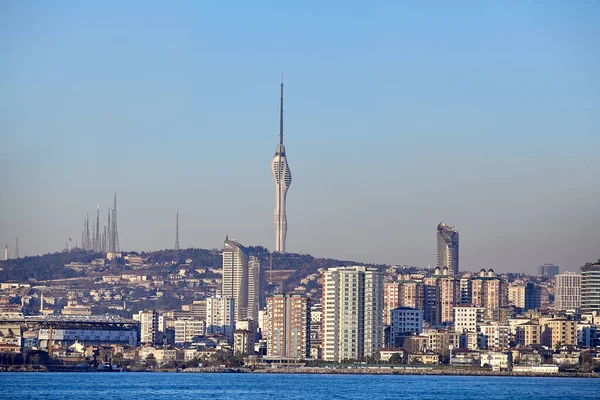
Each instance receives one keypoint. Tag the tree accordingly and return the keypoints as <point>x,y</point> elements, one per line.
<point>396,358</point>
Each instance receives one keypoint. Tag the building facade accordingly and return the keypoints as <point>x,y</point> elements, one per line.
<point>590,288</point>
<point>288,326</point>
<point>405,321</point>
<point>567,291</point>
<point>352,306</point>
<point>220,316</point>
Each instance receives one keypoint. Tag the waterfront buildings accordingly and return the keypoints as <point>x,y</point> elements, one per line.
<point>590,288</point>
<point>288,326</point>
<point>220,316</point>
<point>352,313</point>
<point>405,321</point>
<point>447,248</point>
<point>567,291</point>
<point>391,299</point>
<point>241,280</point>
<point>283,179</point>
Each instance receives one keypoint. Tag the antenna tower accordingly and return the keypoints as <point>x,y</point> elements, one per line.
<point>177,238</point>
<point>17,248</point>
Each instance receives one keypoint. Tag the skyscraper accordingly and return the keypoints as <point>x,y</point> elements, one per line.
<point>241,280</point>
<point>352,313</point>
<point>447,247</point>
<point>283,179</point>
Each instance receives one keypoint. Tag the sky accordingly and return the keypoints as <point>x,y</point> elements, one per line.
<point>398,115</point>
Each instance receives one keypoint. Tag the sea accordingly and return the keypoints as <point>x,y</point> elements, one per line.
<point>147,386</point>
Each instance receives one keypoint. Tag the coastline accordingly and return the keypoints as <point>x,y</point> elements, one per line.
<point>323,371</point>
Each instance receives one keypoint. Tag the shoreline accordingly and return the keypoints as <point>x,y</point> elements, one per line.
<point>319,371</point>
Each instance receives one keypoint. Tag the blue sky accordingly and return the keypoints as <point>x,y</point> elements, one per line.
<point>398,115</point>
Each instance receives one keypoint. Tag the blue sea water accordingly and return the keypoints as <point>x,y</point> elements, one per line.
<point>181,386</point>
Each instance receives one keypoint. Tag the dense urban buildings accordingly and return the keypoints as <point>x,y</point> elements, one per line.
<point>283,179</point>
<point>567,291</point>
<point>405,322</point>
<point>447,248</point>
<point>352,313</point>
<point>288,326</point>
<point>590,288</point>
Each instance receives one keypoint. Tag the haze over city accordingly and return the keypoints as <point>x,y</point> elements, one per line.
<point>397,117</point>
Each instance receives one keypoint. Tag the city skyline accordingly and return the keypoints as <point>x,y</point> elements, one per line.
<point>394,127</point>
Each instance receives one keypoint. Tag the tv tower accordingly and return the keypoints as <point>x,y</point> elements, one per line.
<point>283,179</point>
<point>177,238</point>
<point>97,242</point>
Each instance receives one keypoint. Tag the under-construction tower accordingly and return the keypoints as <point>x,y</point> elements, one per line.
<point>114,234</point>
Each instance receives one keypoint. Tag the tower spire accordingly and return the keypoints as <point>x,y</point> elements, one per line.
<point>281,113</point>
<point>177,238</point>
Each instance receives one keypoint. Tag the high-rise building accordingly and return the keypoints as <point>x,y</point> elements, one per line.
<point>490,292</point>
<point>352,313</point>
<point>447,296</point>
<point>149,325</point>
<point>241,280</point>
<point>567,291</point>
<point>220,316</point>
<point>316,328</point>
<point>548,270</point>
<point>590,288</point>
<point>447,248</point>
<point>283,180</point>
<point>288,326</point>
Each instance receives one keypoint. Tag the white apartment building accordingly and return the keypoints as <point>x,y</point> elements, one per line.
<point>220,316</point>
<point>149,325</point>
<point>352,313</point>
<point>468,318</point>
<point>187,328</point>
<point>495,335</point>
<point>567,291</point>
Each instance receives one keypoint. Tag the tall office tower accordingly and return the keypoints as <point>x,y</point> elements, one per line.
<point>567,291</point>
<point>288,326</point>
<point>283,179</point>
<point>352,313</point>
<point>148,325</point>
<point>590,287</point>
<point>548,270</point>
<point>241,280</point>
<point>220,316</point>
<point>6,253</point>
<point>391,299</point>
<point>465,290</point>
<point>447,247</point>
